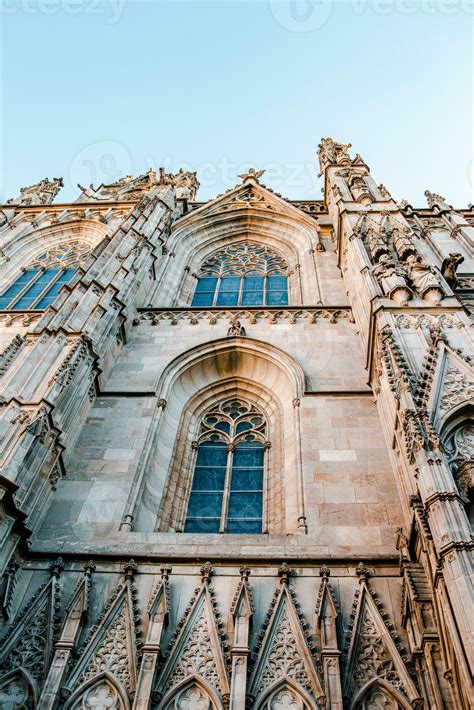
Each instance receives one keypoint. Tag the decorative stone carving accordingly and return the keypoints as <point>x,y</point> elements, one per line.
<point>193,698</point>
<point>457,388</point>
<point>15,694</point>
<point>424,280</point>
<point>460,449</point>
<point>402,242</point>
<point>236,329</point>
<point>448,269</point>
<point>384,192</point>
<point>252,176</point>
<point>185,183</point>
<point>392,278</point>
<point>434,199</point>
<point>42,193</point>
<point>102,696</point>
<point>285,699</point>
<point>359,188</point>
<point>283,651</point>
<point>332,153</point>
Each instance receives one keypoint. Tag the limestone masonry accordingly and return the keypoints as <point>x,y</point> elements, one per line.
<point>236,446</point>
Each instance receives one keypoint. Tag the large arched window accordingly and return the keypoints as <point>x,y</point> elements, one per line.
<point>243,275</point>
<point>227,488</point>
<point>38,285</point>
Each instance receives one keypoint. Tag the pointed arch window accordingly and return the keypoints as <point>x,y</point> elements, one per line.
<point>243,275</point>
<point>229,471</point>
<point>39,284</point>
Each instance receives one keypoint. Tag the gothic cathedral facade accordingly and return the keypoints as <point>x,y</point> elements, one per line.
<point>156,353</point>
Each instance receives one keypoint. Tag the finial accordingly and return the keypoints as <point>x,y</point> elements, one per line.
<point>129,568</point>
<point>284,571</point>
<point>362,571</point>
<point>206,571</point>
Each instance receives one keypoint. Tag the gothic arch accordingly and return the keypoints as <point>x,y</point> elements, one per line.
<point>388,692</point>
<point>267,219</point>
<point>211,371</point>
<point>457,440</point>
<point>18,690</point>
<point>32,244</point>
<point>173,700</point>
<point>208,247</point>
<point>296,698</point>
<point>106,687</point>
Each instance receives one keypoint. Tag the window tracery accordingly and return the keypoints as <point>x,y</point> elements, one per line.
<point>243,275</point>
<point>459,447</point>
<point>285,698</point>
<point>227,487</point>
<point>39,284</point>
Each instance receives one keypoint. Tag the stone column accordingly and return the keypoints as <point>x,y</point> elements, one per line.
<point>158,617</point>
<point>241,610</point>
<point>76,613</point>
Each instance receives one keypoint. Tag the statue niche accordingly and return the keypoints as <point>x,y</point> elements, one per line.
<point>424,280</point>
<point>392,278</point>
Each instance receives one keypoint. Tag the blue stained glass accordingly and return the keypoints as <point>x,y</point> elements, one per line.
<point>277,283</point>
<point>201,525</point>
<point>212,454</point>
<point>244,526</point>
<point>227,298</point>
<point>17,286</point>
<point>245,502</point>
<point>277,298</point>
<point>230,283</point>
<point>253,283</point>
<point>248,456</point>
<point>252,298</point>
<point>37,288</point>
<point>203,299</point>
<point>243,426</point>
<point>247,479</point>
<point>53,291</point>
<point>223,426</point>
<point>205,504</point>
<point>207,283</point>
<point>245,505</point>
<point>208,479</point>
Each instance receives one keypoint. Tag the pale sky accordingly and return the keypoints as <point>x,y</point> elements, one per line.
<point>95,89</point>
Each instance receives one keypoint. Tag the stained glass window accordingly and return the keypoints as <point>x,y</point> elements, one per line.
<point>38,285</point>
<point>227,489</point>
<point>243,275</point>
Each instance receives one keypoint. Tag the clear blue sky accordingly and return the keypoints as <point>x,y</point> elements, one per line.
<point>94,89</point>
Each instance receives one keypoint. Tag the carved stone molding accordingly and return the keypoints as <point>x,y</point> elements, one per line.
<point>293,315</point>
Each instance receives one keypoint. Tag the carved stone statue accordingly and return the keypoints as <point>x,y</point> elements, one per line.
<point>460,450</point>
<point>127,188</point>
<point>402,243</point>
<point>332,153</point>
<point>384,192</point>
<point>423,279</point>
<point>377,243</point>
<point>392,278</point>
<point>251,176</point>
<point>359,189</point>
<point>236,329</point>
<point>449,266</point>
<point>42,193</point>
<point>185,183</point>
<point>402,546</point>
